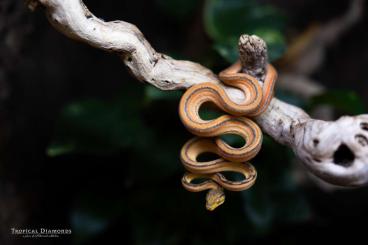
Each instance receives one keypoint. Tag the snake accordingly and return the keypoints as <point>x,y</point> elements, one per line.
<point>236,121</point>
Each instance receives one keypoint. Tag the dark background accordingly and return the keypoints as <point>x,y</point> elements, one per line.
<point>84,146</point>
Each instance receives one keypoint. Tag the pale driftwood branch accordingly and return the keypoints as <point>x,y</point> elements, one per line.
<point>335,151</point>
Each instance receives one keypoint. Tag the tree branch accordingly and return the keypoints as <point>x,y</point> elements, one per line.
<point>335,151</point>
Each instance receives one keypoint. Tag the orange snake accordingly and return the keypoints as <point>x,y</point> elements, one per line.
<point>231,159</point>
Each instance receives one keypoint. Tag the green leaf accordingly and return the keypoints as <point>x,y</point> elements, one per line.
<point>229,51</point>
<point>226,20</point>
<point>58,149</point>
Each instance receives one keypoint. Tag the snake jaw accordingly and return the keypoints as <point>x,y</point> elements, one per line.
<point>214,198</point>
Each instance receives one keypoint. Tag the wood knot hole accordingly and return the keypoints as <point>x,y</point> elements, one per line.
<point>343,156</point>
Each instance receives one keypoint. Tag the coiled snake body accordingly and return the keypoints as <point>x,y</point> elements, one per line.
<point>232,159</point>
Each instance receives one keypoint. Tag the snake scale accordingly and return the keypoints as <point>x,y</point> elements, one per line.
<point>236,122</point>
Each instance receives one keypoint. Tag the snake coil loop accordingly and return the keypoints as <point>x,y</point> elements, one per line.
<point>230,159</point>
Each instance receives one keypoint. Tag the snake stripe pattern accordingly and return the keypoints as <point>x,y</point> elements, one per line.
<point>208,174</point>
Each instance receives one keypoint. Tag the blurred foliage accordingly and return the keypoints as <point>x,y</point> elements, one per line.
<point>290,98</point>
<point>276,197</point>
<point>226,20</point>
<point>141,124</point>
<point>99,127</point>
<point>153,94</point>
<point>344,101</point>
<point>178,9</point>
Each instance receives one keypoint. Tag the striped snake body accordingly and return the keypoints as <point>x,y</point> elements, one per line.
<point>231,159</point>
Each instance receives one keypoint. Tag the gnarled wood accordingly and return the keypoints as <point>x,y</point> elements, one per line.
<point>335,151</point>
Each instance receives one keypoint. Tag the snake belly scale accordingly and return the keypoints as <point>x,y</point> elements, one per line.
<point>236,122</point>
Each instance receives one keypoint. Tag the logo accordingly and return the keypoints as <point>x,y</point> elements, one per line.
<point>40,232</point>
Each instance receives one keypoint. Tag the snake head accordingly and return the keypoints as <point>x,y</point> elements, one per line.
<point>214,198</point>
